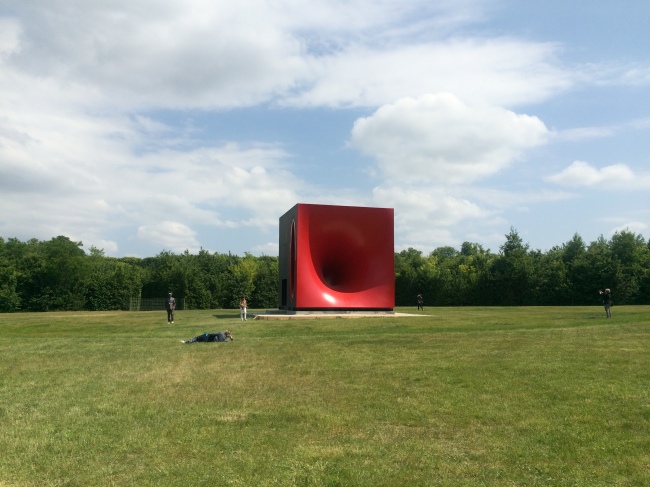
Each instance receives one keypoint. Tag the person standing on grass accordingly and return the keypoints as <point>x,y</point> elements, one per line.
<point>170,306</point>
<point>242,308</point>
<point>220,336</point>
<point>606,296</point>
<point>420,300</point>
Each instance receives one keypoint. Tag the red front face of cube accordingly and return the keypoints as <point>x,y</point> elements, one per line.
<point>337,257</point>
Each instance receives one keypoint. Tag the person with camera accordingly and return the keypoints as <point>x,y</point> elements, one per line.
<point>606,296</point>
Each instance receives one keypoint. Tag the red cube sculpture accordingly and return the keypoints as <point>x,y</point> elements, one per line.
<point>337,258</point>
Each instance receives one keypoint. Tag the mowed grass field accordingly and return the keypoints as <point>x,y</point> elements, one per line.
<point>535,396</point>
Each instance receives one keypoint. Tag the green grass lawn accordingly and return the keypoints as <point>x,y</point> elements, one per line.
<point>460,397</point>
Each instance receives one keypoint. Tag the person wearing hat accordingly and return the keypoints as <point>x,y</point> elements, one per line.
<point>220,336</point>
<point>606,295</point>
<point>170,306</point>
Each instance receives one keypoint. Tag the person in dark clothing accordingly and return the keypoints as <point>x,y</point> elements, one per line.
<point>420,300</point>
<point>606,296</point>
<point>220,336</point>
<point>170,306</point>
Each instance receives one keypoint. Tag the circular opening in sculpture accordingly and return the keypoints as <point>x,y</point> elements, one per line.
<point>341,259</point>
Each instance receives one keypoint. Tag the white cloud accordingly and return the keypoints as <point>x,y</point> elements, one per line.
<point>269,248</point>
<point>87,86</point>
<point>581,133</point>
<point>419,205</point>
<point>428,215</point>
<point>495,71</point>
<point>83,175</point>
<point>9,33</point>
<point>109,247</point>
<point>616,176</point>
<point>636,227</point>
<point>196,53</point>
<point>637,75</point>
<point>171,53</point>
<point>519,200</point>
<point>438,138</point>
<point>170,235</point>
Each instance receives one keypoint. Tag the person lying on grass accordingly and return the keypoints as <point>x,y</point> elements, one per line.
<point>220,336</point>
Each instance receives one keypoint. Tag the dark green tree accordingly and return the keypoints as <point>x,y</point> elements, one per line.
<point>9,296</point>
<point>630,256</point>
<point>409,280</point>
<point>53,275</point>
<point>112,282</point>
<point>514,272</point>
<point>265,284</point>
<point>574,253</point>
<point>552,287</point>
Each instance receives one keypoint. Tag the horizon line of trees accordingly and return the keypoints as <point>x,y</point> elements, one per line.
<point>58,275</point>
<point>567,274</point>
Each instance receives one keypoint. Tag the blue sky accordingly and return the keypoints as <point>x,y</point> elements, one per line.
<point>137,126</point>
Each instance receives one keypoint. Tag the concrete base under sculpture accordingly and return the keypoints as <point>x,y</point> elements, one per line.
<point>325,315</point>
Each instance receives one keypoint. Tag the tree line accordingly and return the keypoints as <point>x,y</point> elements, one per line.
<point>58,275</point>
<point>568,274</point>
